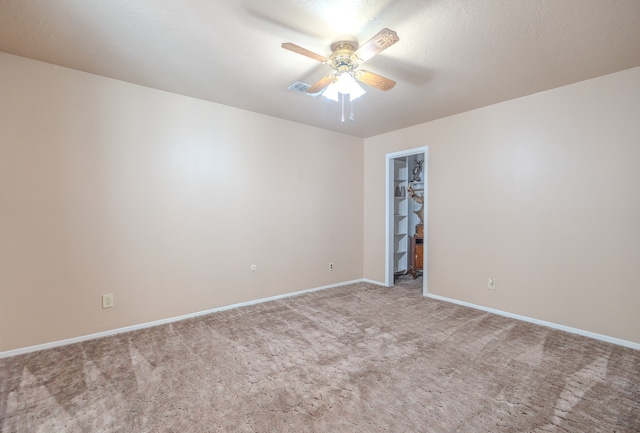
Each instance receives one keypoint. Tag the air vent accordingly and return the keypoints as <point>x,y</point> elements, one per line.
<point>301,87</point>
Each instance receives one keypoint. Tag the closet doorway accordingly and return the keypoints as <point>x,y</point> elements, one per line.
<point>406,216</point>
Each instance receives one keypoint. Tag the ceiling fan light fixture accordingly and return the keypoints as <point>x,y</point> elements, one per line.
<point>331,92</point>
<point>346,85</point>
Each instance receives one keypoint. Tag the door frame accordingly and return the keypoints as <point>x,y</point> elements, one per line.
<point>389,235</point>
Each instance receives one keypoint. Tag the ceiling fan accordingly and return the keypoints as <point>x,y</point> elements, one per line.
<point>345,59</point>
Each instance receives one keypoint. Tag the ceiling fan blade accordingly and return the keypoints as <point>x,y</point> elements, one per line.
<point>320,85</point>
<point>298,49</point>
<point>383,40</point>
<point>375,80</point>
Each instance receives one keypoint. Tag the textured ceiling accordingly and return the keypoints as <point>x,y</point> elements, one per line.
<point>453,56</point>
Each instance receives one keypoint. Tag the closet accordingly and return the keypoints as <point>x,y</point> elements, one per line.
<point>408,214</point>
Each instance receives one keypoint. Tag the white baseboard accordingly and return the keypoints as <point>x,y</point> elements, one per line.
<point>584,333</point>
<point>377,283</point>
<point>80,339</point>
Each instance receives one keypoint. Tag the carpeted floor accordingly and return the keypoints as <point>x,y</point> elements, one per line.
<point>359,358</point>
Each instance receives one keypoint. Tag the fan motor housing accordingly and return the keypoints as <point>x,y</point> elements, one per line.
<point>342,58</point>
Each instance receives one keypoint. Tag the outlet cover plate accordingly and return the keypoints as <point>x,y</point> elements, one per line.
<point>107,300</point>
<point>491,284</point>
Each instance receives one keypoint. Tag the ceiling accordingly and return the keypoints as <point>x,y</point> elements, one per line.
<point>453,55</point>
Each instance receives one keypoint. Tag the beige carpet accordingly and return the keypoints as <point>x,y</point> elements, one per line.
<point>359,358</point>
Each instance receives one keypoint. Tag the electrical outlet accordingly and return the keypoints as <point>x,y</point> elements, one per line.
<point>331,266</point>
<point>491,285</point>
<point>107,300</point>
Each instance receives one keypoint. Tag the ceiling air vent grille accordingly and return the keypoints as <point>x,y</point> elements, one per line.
<point>301,87</point>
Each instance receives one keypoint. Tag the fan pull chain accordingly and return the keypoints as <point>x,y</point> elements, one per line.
<point>351,116</point>
<point>342,102</point>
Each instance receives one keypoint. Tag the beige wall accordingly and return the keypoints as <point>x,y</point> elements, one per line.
<point>163,200</point>
<point>542,193</point>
